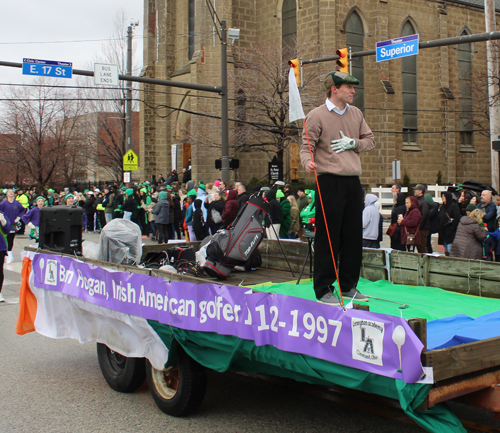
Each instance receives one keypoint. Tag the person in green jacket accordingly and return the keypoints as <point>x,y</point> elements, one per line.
<point>285,214</point>
<point>310,210</point>
<point>108,203</point>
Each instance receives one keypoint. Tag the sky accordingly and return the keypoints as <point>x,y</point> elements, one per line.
<point>48,29</point>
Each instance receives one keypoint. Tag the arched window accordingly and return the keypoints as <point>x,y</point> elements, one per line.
<point>354,38</point>
<point>289,23</point>
<point>465,92</point>
<point>191,30</point>
<point>409,91</point>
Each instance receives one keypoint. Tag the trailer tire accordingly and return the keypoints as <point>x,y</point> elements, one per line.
<point>121,373</point>
<point>180,390</point>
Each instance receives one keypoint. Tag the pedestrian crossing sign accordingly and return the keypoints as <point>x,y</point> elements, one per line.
<point>130,161</point>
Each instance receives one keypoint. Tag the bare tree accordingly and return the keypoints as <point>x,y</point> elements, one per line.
<point>260,109</point>
<point>40,130</point>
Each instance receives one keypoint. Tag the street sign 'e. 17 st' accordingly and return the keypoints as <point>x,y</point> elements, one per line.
<point>47,68</point>
<point>397,48</point>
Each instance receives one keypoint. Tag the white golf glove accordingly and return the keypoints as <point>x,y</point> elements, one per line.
<point>17,220</point>
<point>3,221</point>
<point>31,226</point>
<point>342,144</point>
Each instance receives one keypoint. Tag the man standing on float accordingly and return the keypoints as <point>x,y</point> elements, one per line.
<point>337,134</point>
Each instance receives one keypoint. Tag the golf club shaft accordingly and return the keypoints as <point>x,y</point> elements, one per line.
<point>386,300</point>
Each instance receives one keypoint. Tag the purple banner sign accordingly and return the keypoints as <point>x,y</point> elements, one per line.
<point>372,342</point>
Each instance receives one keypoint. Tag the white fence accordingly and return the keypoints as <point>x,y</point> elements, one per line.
<point>385,200</point>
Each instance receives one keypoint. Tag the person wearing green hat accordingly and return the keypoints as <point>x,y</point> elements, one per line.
<point>50,197</point>
<point>334,135</point>
<point>129,205</point>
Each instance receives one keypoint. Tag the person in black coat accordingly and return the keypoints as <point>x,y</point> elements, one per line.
<point>198,221</point>
<point>398,209</point>
<point>177,215</point>
<point>89,209</point>
<point>449,218</point>
<point>214,213</point>
<point>274,215</point>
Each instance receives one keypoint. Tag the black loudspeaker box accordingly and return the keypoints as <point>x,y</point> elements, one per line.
<point>61,229</point>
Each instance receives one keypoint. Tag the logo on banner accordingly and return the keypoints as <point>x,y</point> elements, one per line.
<point>367,340</point>
<point>51,273</point>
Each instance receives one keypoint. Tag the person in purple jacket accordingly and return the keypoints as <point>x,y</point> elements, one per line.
<point>13,210</point>
<point>5,228</point>
<point>32,218</point>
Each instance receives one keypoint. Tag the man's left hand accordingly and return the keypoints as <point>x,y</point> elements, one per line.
<point>342,144</point>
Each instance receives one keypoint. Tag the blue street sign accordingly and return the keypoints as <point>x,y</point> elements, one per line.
<point>397,48</point>
<point>47,68</point>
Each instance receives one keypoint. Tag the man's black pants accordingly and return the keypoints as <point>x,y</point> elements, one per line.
<point>343,203</point>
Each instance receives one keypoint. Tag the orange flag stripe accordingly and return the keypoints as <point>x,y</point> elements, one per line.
<point>27,302</point>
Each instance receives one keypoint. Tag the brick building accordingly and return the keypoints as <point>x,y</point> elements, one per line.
<point>433,121</point>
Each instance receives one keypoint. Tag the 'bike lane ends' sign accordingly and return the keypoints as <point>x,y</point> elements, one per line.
<point>47,68</point>
<point>397,48</point>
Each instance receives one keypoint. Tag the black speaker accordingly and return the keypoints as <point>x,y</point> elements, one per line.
<point>61,229</point>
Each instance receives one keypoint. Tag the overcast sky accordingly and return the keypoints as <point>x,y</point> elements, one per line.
<point>49,29</point>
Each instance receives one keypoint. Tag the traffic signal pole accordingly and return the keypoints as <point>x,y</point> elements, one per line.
<point>479,37</point>
<point>224,105</point>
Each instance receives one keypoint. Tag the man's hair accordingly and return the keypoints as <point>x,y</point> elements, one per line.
<point>397,185</point>
<point>329,91</point>
<point>243,187</point>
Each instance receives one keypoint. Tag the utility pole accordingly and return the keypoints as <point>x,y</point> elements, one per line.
<point>224,105</point>
<point>492,56</point>
<point>128,97</point>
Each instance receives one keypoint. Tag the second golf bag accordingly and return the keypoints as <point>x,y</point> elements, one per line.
<point>235,245</point>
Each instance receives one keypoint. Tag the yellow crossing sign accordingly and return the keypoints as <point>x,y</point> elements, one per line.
<point>130,161</point>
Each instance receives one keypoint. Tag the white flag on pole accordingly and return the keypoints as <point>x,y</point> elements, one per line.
<point>295,111</point>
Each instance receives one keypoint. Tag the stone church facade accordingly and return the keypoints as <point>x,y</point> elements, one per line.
<point>427,111</point>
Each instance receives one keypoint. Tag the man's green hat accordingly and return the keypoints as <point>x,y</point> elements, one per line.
<point>192,192</point>
<point>337,78</point>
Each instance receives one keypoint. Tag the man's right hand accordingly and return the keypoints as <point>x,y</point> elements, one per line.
<point>311,167</point>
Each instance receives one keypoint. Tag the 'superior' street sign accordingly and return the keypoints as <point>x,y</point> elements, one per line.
<point>47,68</point>
<point>397,48</point>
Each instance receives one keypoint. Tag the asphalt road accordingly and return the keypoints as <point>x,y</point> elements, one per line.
<point>56,386</point>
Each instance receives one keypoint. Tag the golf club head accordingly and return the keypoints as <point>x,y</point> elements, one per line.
<point>279,183</point>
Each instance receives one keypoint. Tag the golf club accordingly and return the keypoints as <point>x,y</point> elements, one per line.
<point>401,305</point>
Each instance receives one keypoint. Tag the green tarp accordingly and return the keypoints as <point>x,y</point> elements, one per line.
<point>421,301</point>
<point>227,353</point>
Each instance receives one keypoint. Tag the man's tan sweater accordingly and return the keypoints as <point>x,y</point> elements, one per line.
<point>323,126</point>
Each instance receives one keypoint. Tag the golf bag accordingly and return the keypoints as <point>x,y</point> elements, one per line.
<point>236,245</point>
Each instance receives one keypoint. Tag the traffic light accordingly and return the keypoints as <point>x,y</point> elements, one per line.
<point>295,64</point>
<point>343,62</point>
